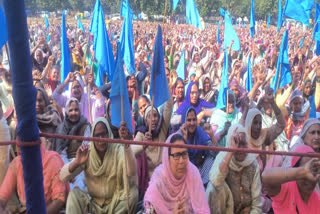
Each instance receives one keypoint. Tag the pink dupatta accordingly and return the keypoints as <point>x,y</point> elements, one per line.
<point>164,189</point>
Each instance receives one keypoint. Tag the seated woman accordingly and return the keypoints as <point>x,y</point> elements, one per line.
<point>222,119</point>
<point>55,191</point>
<point>195,135</point>
<point>48,117</point>
<point>235,178</point>
<point>176,186</point>
<point>203,109</point>
<point>150,157</point>
<point>293,189</point>
<point>105,175</point>
<point>207,92</point>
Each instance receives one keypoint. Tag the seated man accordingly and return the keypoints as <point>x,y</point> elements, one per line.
<point>105,175</point>
<point>55,190</point>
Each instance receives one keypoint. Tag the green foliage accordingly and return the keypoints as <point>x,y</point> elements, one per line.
<point>207,8</point>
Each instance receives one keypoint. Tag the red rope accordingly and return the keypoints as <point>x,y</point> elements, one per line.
<point>150,143</point>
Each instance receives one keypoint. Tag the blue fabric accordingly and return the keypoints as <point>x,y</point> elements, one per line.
<point>139,16</point>
<point>24,95</point>
<point>46,21</point>
<point>118,89</point>
<point>317,13</point>
<point>80,26</point>
<point>175,4</point>
<point>127,44</point>
<point>123,10</point>
<point>187,104</point>
<point>249,83</point>
<point>94,22</point>
<point>158,74</point>
<point>283,73</point>
<point>268,23</point>
<point>181,66</point>
<point>252,20</point>
<point>279,16</point>
<point>301,43</point>
<point>313,111</point>
<point>230,34</point>
<point>192,14</point>
<point>222,97</point>
<point>65,52</point>
<point>299,10</point>
<point>3,27</point>
<point>218,33</point>
<point>222,12</point>
<point>48,38</point>
<point>103,51</point>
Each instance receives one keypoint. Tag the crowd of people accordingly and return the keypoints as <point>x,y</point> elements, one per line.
<point>96,177</point>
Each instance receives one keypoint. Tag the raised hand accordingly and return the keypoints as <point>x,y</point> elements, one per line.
<point>82,154</point>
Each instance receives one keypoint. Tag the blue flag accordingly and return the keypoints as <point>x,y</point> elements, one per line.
<point>279,16</point>
<point>249,83</point>
<point>268,23</point>
<point>192,14</point>
<point>301,43</point>
<point>127,44</point>
<point>175,3</point>
<point>46,21</point>
<point>222,12</point>
<point>252,20</point>
<point>65,52</point>
<point>158,73</point>
<point>230,34</point>
<point>3,27</point>
<point>118,90</point>
<point>299,10</point>
<point>124,7</point>
<point>48,38</point>
<point>80,26</point>
<point>313,110</point>
<point>283,73</point>
<point>218,33</point>
<point>181,66</point>
<point>222,97</point>
<point>94,22</point>
<point>317,13</point>
<point>103,52</point>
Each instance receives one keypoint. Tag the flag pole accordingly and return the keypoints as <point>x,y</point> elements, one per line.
<point>152,101</point>
<point>227,105</point>
<point>125,161</point>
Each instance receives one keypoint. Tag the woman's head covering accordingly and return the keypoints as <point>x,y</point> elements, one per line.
<point>307,124</point>
<point>145,127</point>
<point>304,86</point>
<point>187,103</point>
<point>301,149</point>
<point>45,96</point>
<point>234,164</point>
<point>35,55</point>
<point>69,101</point>
<point>165,190</point>
<point>254,143</point>
<point>295,94</point>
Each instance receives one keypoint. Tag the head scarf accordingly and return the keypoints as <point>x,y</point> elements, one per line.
<point>301,149</point>
<point>145,128</point>
<point>254,143</point>
<point>45,96</point>
<point>68,104</point>
<point>304,86</point>
<point>234,164</point>
<point>35,55</point>
<point>187,103</point>
<point>97,168</point>
<point>208,96</point>
<point>242,91</point>
<point>298,116</point>
<point>164,189</point>
<point>307,124</point>
<point>200,137</point>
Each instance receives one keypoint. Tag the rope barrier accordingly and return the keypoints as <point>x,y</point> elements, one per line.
<point>157,144</point>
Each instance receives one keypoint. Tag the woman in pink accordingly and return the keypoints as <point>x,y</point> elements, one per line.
<point>55,191</point>
<point>176,185</point>
<point>293,189</point>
